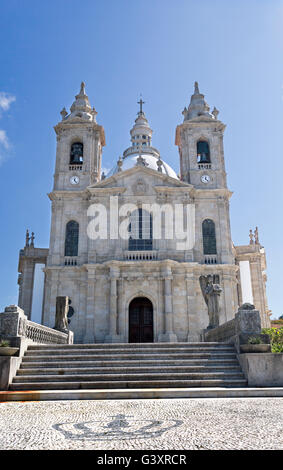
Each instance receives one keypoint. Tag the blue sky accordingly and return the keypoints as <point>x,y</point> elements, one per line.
<point>122,48</point>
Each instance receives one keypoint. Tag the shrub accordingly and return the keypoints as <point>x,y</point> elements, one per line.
<point>276,338</point>
<point>4,343</point>
<point>254,340</point>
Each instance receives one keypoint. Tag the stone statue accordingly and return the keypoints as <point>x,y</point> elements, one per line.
<point>251,235</point>
<point>63,113</point>
<point>27,238</point>
<point>120,164</point>
<point>32,239</point>
<point>256,236</point>
<point>211,293</point>
<point>62,308</point>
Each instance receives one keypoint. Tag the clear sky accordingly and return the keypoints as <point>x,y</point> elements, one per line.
<point>122,48</point>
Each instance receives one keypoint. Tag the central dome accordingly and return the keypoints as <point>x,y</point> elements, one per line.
<point>149,161</point>
<point>141,152</point>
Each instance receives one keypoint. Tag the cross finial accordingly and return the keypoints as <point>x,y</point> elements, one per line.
<point>141,102</point>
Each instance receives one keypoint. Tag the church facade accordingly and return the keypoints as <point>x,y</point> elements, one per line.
<point>137,285</point>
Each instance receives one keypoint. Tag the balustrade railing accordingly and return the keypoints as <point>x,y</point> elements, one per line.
<point>75,167</point>
<point>71,261</point>
<point>140,255</point>
<point>14,324</point>
<point>204,166</point>
<point>210,259</point>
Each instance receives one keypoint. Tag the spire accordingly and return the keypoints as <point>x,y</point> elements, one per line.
<point>80,108</point>
<point>141,132</point>
<point>198,106</point>
<point>196,89</point>
<point>82,90</point>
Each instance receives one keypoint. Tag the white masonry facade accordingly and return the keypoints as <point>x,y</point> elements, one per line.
<point>141,288</point>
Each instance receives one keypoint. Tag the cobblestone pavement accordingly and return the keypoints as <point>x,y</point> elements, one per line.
<point>242,423</point>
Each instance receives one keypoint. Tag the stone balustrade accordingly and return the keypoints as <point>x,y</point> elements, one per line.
<point>204,166</point>
<point>75,167</point>
<point>210,259</point>
<point>71,260</point>
<point>15,326</point>
<point>148,255</point>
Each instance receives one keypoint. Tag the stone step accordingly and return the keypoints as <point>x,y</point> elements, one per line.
<point>127,384</point>
<point>129,377</point>
<point>109,357</point>
<point>130,363</point>
<point>129,346</point>
<point>141,393</point>
<point>133,351</point>
<point>121,370</point>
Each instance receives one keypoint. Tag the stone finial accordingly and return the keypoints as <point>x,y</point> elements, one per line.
<point>120,163</point>
<point>247,306</point>
<point>215,112</point>
<point>159,164</point>
<point>63,113</point>
<point>196,92</point>
<point>141,161</point>
<point>256,236</point>
<point>82,90</point>
<point>251,235</point>
<point>27,238</point>
<point>103,176</point>
<point>185,111</point>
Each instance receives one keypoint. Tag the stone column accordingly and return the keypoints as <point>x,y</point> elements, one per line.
<point>193,291</point>
<point>169,335</point>
<point>27,286</point>
<point>113,336</point>
<point>258,287</point>
<point>89,324</point>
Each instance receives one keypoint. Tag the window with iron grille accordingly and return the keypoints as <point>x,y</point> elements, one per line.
<point>209,237</point>
<point>140,229</point>
<point>72,238</point>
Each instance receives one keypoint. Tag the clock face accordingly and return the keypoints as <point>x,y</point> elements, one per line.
<point>205,179</point>
<point>74,180</point>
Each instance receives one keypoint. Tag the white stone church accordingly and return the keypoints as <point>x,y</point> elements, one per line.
<point>140,288</point>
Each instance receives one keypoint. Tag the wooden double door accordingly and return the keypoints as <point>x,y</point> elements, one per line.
<point>141,321</point>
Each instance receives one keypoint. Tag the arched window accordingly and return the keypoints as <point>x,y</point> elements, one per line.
<point>140,229</point>
<point>77,153</point>
<point>72,238</point>
<point>203,152</point>
<point>209,237</point>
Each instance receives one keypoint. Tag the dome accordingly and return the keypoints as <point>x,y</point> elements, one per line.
<point>141,152</point>
<point>150,161</point>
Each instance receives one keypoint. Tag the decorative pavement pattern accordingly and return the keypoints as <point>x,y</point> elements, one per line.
<point>242,423</point>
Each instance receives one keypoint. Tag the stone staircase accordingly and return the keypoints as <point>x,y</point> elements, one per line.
<point>128,366</point>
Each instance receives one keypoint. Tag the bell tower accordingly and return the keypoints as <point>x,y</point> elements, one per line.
<point>79,146</point>
<point>200,142</point>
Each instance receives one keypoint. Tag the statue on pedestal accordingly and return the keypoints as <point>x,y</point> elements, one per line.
<point>211,292</point>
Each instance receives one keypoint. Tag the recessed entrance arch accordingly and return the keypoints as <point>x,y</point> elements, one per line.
<point>140,321</point>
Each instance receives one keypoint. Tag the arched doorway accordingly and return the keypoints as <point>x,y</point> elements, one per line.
<point>140,321</point>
